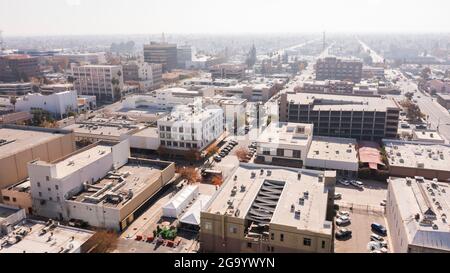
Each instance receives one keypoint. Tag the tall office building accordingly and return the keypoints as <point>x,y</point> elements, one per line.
<point>161,53</point>
<point>18,68</point>
<point>331,68</point>
<point>184,54</point>
<point>103,81</point>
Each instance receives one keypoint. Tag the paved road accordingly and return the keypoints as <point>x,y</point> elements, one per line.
<point>376,58</point>
<point>437,115</point>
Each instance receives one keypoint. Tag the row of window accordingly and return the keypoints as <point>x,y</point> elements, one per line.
<point>281,152</point>
<point>179,144</point>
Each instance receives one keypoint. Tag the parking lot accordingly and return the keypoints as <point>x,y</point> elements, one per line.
<point>364,207</point>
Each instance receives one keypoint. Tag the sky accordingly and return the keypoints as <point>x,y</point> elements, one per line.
<point>93,17</point>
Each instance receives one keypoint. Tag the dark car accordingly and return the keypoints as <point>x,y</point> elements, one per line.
<point>421,127</point>
<point>378,228</point>
<point>217,158</point>
<point>343,233</point>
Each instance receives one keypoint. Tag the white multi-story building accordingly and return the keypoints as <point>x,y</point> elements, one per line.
<point>99,184</point>
<point>190,127</point>
<point>59,104</point>
<point>233,109</point>
<point>98,80</point>
<point>148,76</point>
<point>285,144</point>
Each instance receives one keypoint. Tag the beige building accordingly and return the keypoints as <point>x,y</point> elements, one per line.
<point>22,144</point>
<point>417,213</point>
<point>262,209</point>
<point>19,195</point>
<point>412,158</point>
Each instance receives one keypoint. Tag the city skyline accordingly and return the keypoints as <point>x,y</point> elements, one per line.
<point>80,17</point>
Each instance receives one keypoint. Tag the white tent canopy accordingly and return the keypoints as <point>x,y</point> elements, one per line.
<point>180,201</point>
<point>192,215</point>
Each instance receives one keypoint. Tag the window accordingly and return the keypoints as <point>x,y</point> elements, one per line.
<point>47,178</point>
<point>208,225</point>
<point>180,130</point>
<point>14,199</point>
<point>306,241</point>
<point>40,194</point>
<point>272,236</point>
<point>163,142</point>
<point>323,244</point>
<point>50,199</point>
<point>38,184</point>
<point>296,154</point>
<point>188,145</point>
<point>194,145</point>
<point>56,187</point>
<point>249,245</point>
<point>233,229</point>
<point>281,237</point>
<point>161,128</point>
<point>280,152</point>
<point>182,144</point>
<point>58,199</point>
<point>175,144</point>
<point>6,198</point>
<point>49,189</point>
<point>266,152</point>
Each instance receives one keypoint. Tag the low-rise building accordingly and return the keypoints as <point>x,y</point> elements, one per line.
<point>332,68</point>
<point>228,71</point>
<point>431,136</point>
<point>147,76</point>
<point>284,144</point>
<point>19,195</point>
<point>444,100</point>
<point>369,72</point>
<point>233,109</point>
<point>417,214</point>
<point>15,89</point>
<point>58,104</point>
<point>31,236</point>
<point>21,144</point>
<point>190,127</point>
<point>332,153</point>
<point>49,89</point>
<point>412,158</point>
<point>270,209</point>
<point>99,184</point>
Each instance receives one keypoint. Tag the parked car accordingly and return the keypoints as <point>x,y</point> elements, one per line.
<point>343,181</point>
<point>343,233</point>
<point>376,237</point>
<point>343,213</point>
<point>405,126</point>
<point>378,228</point>
<point>421,127</point>
<point>337,196</point>
<point>217,158</point>
<point>343,220</point>
<point>356,183</point>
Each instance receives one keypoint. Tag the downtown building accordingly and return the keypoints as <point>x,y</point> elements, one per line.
<point>270,209</point>
<point>184,55</point>
<point>161,53</point>
<point>16,68</point>
<point>363,118</point>
<point>97,80</point>
<point>331,68</point>
<point>147,75</point>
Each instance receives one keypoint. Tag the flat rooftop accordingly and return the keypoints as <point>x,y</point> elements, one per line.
<point>100,129</point>
<point>423,197</point>
<point>337,102</point>
<point>79,159</point>
<point>12,141</point>
<point>6,211</point>
<point>287,133</point>
<point>312,212</point>
<point>134,176</point>
<point>67,238</point>
<point>148,132</point>
<point>427,136</point>
<point>333,148</point>
<point>421,155</point>
<point>184,113</point>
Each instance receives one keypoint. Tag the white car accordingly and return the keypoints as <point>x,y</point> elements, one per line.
<point>343,213</point>
<point>376,237</point>
<point>343,182</point>
<point>342,220</point>
<point>356,183</point>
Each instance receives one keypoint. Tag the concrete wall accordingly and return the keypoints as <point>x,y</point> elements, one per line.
<point>14,167</point>
<point>400,171</point>
<point>22,199</point>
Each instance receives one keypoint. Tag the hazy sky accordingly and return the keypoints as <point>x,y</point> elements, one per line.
<point>50,17</point>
